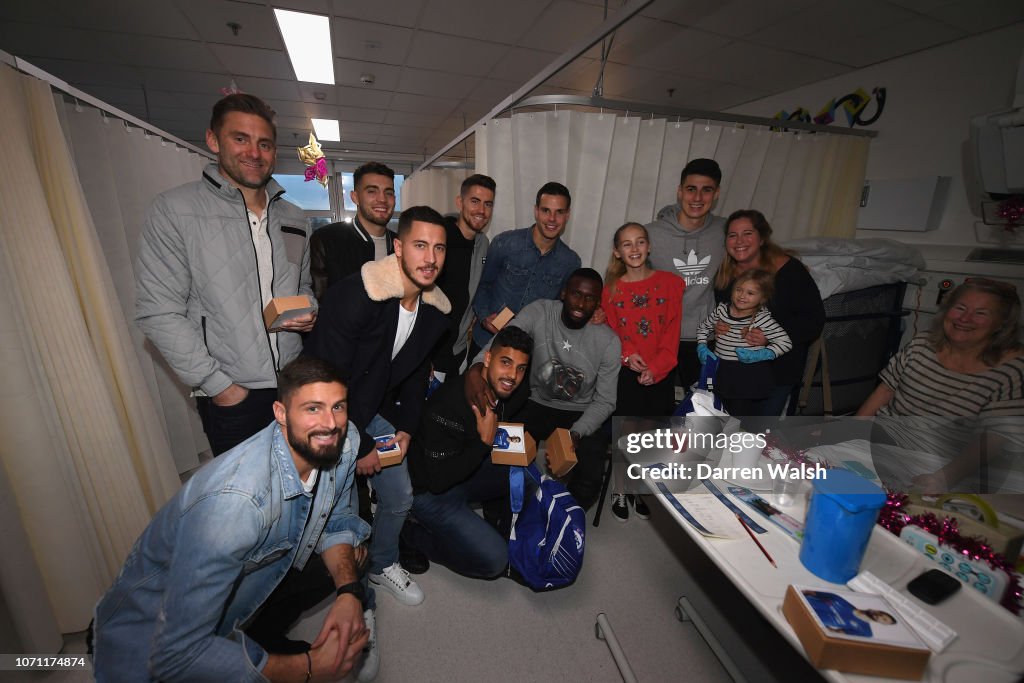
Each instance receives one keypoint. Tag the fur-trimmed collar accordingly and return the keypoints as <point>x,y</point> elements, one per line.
<point>382,280</point>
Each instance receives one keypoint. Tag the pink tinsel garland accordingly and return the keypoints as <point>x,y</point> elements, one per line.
<point>893,519</point>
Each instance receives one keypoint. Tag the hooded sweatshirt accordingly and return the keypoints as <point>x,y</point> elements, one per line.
<point>695,256</point>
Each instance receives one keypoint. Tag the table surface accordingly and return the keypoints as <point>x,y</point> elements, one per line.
<point>990,640</point>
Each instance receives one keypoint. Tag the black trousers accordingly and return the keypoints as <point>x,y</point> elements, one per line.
<point>584,480</point>
<point>226,427</point>
<point>688,369</point>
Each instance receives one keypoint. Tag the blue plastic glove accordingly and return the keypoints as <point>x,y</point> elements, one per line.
<point>754,355</point>
<point>703,353</point>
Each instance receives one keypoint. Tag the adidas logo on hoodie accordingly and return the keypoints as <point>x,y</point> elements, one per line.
<point>692,267</point>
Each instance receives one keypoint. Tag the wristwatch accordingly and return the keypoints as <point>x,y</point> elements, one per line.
<point>355,588</point>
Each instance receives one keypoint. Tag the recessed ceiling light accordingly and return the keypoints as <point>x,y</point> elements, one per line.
<point>326,129</point>
<point>308,39</point>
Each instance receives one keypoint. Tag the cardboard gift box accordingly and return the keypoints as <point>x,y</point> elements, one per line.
<point>516,448</point>
<point>283,308</point>
<point>392,455</point>
<point>503,318</point>
<point>561,454</point>
<point>883,645</point>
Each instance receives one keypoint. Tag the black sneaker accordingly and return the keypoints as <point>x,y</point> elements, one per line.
<point>640,507</point>
<point>620,508</point>
<point>411,559</point>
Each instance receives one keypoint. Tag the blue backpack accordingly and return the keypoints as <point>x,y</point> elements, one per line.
<point>548,531</point>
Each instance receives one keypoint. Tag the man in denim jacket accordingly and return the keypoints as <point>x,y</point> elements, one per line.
<point>266,528</point>
<point>525,265</point>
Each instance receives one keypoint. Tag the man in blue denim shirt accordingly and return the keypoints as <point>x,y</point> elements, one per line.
<point>271,513</point>
<point>525,265</point>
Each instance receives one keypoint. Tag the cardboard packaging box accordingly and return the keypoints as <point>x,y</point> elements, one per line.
<point>561,454</point>
<point>503,318</point>
<point>282,308</point>
<point>887,648</point>
<point>392,455</point>
<point>521,448</point>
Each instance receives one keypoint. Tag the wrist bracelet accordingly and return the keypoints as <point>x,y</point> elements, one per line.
<point>309,667</point>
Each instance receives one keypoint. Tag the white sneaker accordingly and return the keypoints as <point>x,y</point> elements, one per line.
<point>396,580</point>
<point>371,659</point>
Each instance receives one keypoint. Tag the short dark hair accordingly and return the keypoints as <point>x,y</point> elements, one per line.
<point>586,274</point>
<point>512,337</point>
<point>423,214</point>
<point>302,371</point>
<point>244,104</point>
<point>704,167</point>
<point>374,167</point>
<point>478,180</point>
<point>555,189</point>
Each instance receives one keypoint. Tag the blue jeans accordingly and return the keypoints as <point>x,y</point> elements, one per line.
<point>394,500</point>
<point>450,532</point>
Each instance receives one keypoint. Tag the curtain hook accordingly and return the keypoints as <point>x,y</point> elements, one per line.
<point>78,105</point>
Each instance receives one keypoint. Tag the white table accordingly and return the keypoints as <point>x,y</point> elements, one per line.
<point>990,643</point>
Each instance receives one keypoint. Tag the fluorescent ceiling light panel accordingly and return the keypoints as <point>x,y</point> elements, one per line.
<point>326,129</point>
<point>308,39</point>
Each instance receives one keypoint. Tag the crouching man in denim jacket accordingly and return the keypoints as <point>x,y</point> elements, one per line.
<point>250,541</point>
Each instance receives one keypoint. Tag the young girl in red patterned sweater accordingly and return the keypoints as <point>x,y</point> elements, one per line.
<point>643,307</point>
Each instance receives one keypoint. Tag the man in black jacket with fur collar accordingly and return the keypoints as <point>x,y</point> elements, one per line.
<point>378,328</point>
<point>451,468</point>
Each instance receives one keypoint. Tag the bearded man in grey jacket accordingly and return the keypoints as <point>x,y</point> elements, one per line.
<point>212,254</point>
<point>687,239</point>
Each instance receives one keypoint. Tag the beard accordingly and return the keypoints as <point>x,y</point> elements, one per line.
<point>322,457</point>
<point>417,277</point>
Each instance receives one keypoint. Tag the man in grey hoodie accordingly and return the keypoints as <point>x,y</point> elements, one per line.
<point>687,239</point>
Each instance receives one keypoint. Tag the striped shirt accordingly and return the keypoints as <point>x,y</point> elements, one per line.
<point>952,408</point>
<point>726,344</point>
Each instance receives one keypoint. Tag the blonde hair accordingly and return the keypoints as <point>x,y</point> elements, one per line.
<point>769,251</point>
<point>761,279</point>
<point>616,266</point>
<point>1005,338</point>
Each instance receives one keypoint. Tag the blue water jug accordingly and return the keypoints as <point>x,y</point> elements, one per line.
<point>843,510</point>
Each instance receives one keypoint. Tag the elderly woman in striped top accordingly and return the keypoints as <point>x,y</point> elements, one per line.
<point>963,379</point>
<point>743,378</point>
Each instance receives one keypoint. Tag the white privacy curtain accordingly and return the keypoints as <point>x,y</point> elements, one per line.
<point>85,461</point>
<point>434,187</point>
<point>121,170</point>
<point>621,168</point>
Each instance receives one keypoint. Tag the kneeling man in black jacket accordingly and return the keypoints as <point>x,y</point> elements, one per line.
<point>451,469</point>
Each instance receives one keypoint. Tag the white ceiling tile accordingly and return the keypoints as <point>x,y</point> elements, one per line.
<point>458,55</point>
<point>253,61</point>
<point>976,17</point>
<point>293,108</point>
<point>311,6</point>
<point>211,18</point>
<point>436,83</point>
<point>757,66</point>
<point>398,131</point>
<point>293,122</point>
<point>131,16</point>
<point>364,97</point>
<point>521,64</point>
<point>421,103</point>
<point>817,30</point>
<point>492,91</point>
<point>580,74</point>
<point>502,22</point>
<point>121,97</point>
<point>195,101</point>
<point>418,119</point>
<point>561,25</point>
<point>737,18</point>
<point>892,40</point>
<point>320,111</point>
<point>54,42</point>
<point>187,81</point>
<point>317,92</point>
<point>395,12</point>
<point>270,88</point>
<point>349,129</point>
<point>181,114</point>
<point>685,91</point>
<point>369,41</point>
<point>167,53</point>
<point>725,96</point>
<point>82,73</point>
<point>667,47</point>
<point>362,115</point>
<point>395,143</point>
<point>350,72</point>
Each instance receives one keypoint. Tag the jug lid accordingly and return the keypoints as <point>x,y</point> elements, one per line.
<point>852,491</point>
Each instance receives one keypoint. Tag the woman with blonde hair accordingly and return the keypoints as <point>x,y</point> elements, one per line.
<point>643,306</point>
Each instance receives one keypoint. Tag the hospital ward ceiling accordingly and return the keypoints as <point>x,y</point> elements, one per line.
<point>412,74</point>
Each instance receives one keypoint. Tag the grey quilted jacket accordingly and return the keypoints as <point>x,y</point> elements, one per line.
<point>197,286</point>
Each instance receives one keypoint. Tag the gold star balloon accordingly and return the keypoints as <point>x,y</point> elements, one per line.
<point>313,156</point>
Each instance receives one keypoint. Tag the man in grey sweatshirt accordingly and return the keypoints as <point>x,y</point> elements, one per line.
<point>687,239</point>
